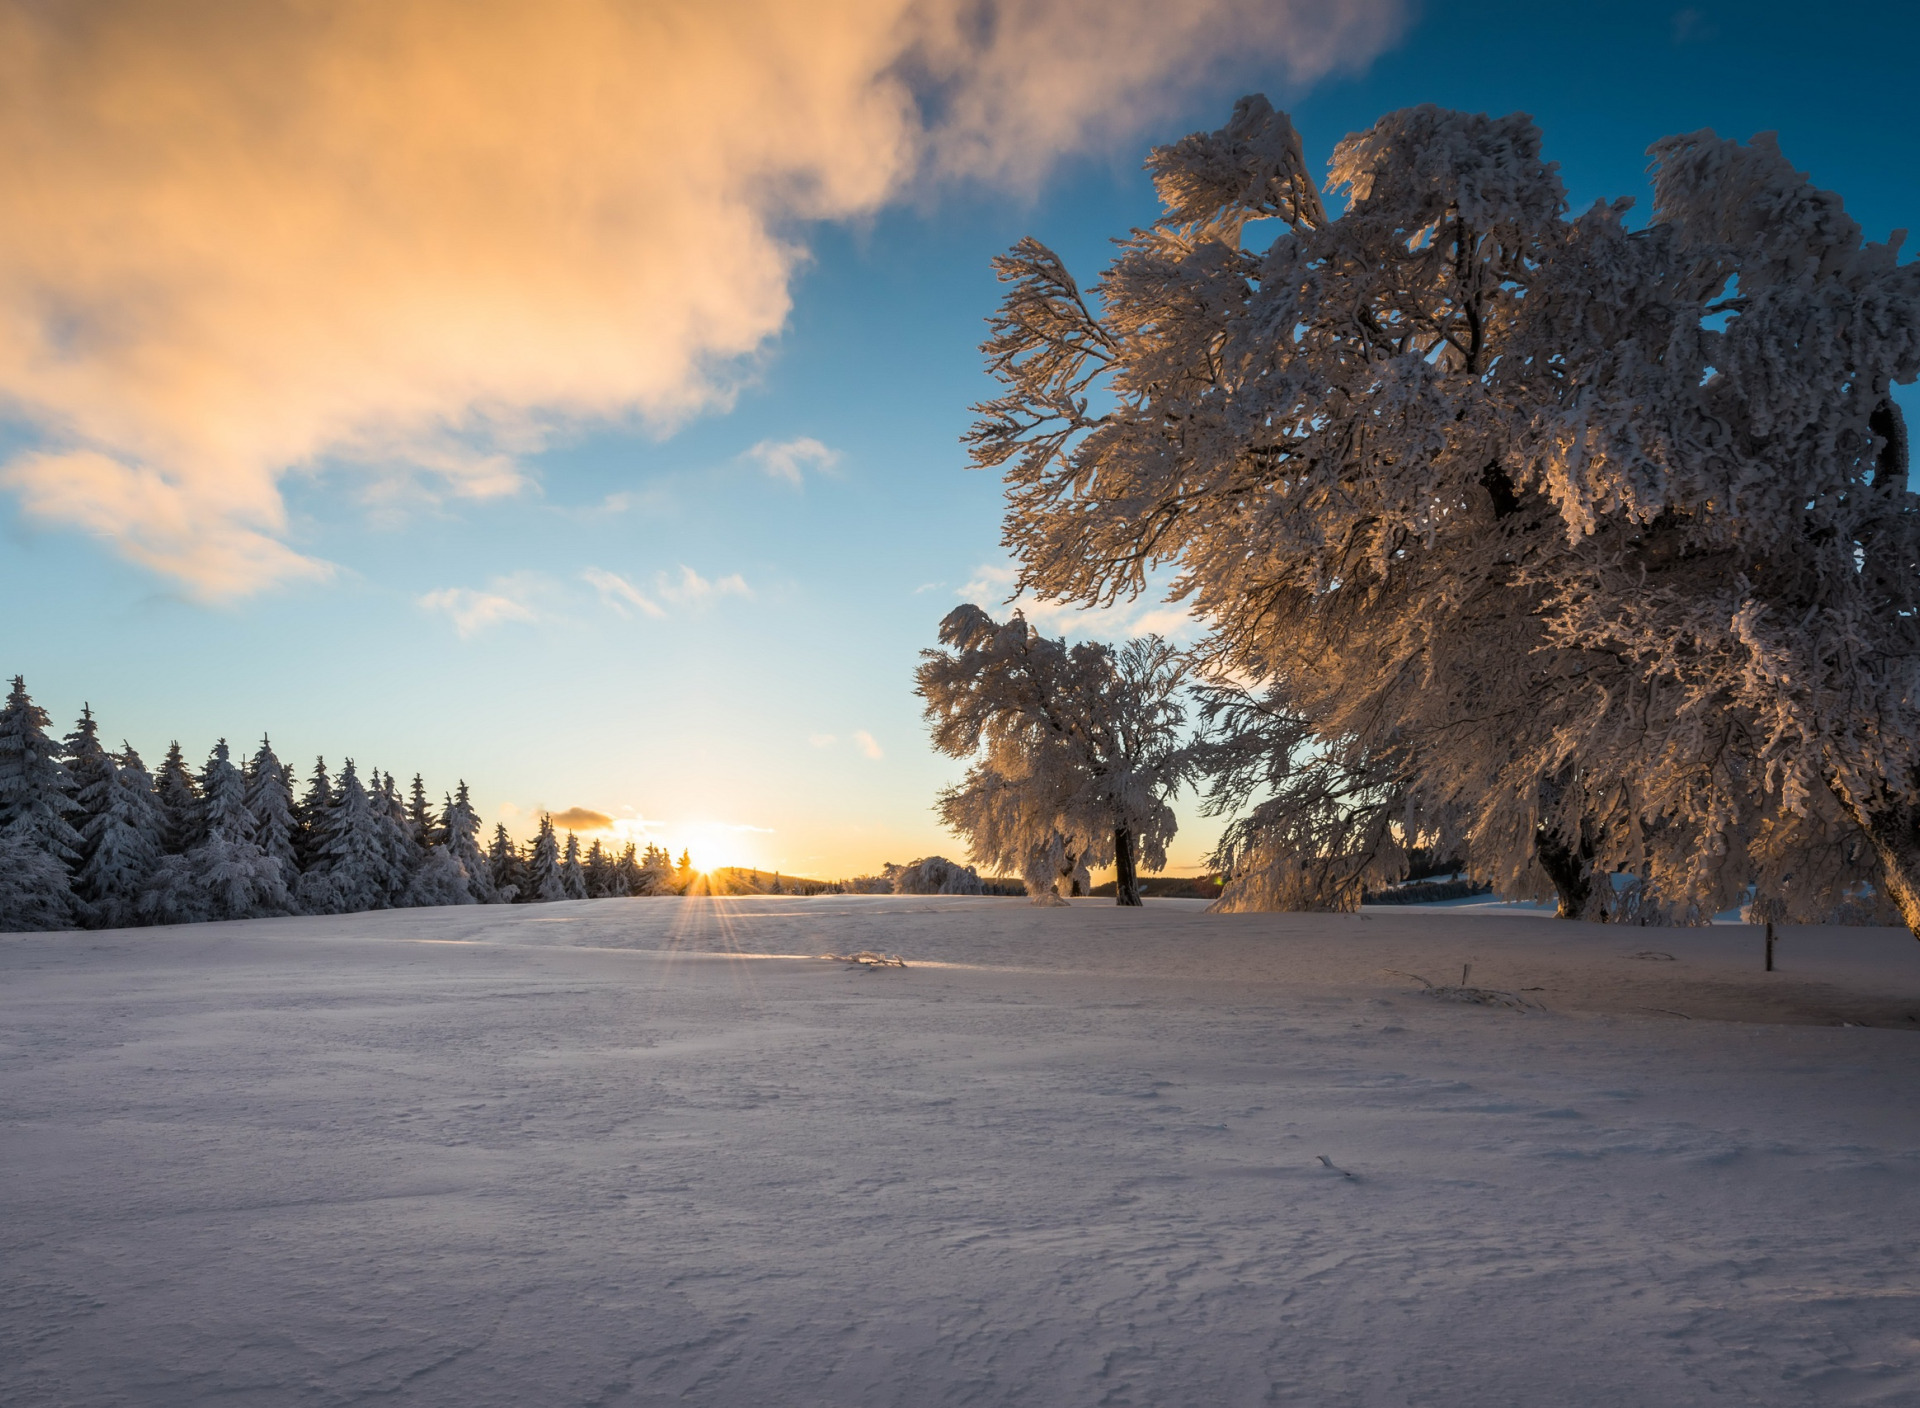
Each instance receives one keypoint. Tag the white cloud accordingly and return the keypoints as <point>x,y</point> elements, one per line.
<point>821,740</point>
<point>866,743</point>
<point>1149,614</point>
<point>618,594</point>
<point>415,240</point>
<point>691,588</point>
<point>788,458</point>
<point>472,611</point>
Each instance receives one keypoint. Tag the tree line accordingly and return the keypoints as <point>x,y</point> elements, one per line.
<point>89,837</point>
<point>1583,551</point>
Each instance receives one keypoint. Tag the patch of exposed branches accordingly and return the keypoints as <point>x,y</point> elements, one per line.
<point>866,959</point>
<point>1477,997</point>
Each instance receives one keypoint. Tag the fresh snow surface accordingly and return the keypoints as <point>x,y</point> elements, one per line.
<point>656,1151</point>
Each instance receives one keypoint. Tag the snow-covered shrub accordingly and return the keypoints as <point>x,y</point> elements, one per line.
<point>934,875</point>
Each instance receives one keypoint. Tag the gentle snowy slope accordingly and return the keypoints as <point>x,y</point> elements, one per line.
<point>567,1154</point>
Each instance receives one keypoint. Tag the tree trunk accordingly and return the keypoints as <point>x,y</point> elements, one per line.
<point>1570,871</point>
<point>1893,831</point>
<point>1126,885</point>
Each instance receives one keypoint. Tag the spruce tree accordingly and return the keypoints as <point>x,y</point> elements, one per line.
<point>125,839</point>
<point>398,848</point>
<point>37,839</point>
<point>270,803</point>
<point>223,798</point>
<point>504,868</point>
<point>543,865</point>
<point>351,872</point>
<point>309,842</point>
<point>624,873</point>
<point>179,801</point>
<point>459,832</point>
<point>90,776</point>
<point>599,871</point>
<point>420,815</point>
<point>36,793</point>
<point>573,876</point>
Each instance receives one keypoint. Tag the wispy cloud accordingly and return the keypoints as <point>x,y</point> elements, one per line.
<point>471,611</point>
<point>788,459</point>
<point>690,588</point>
<point>821,740</point>
<point>867,744</point>
<point>417,239</point>
<point>620,595</point>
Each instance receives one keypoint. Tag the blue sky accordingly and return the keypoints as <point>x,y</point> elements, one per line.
<point>755,702</point>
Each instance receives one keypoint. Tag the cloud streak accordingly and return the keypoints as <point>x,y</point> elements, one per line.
<point>789,459</point>
<point>408,240</point>
<point>691,589</point>
<point>620,595</point>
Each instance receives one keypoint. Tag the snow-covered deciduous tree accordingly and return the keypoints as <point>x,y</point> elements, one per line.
<point>1591,546</point>
<point>1315,820</point>
<point>125,834</point>
<point>544,884</point>
<point>1074,749</point>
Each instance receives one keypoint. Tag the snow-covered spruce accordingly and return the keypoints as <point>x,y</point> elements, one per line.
<point>1586,549</point>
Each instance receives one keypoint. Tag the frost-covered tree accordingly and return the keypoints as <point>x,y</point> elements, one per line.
<point>1598,540</point>
<point>352,871</point>
<point>573,874</point>
<point>223,797</point>
<point>623,873</point>
<point>125,838</point>
<point>459,836</point>
<point>226,874</point>
<point>36,793</point>
<point>401,853</point>
<point>420,819</point>
<point>504,867</point>
<point>179,801</point>
<point>544,883</point>
<point>656,872</point>
<point>1074,748</point>
<point>276,825</point>
<point>598,869</point>
<point>37,839</point>
<point>309,843</point>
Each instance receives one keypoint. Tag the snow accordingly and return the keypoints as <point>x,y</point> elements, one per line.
<point>624,1152</point>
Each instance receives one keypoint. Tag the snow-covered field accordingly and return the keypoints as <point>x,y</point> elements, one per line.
<point>653,1151</point>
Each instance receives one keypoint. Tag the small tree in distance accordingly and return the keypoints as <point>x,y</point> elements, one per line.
<point>1075,749</point>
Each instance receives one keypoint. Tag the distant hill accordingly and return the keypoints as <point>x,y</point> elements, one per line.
<point>738,880</point>
<point>1171,887</point>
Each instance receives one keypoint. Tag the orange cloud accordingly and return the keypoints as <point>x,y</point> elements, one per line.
<point>582,819</point>
<point>246,238</point>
